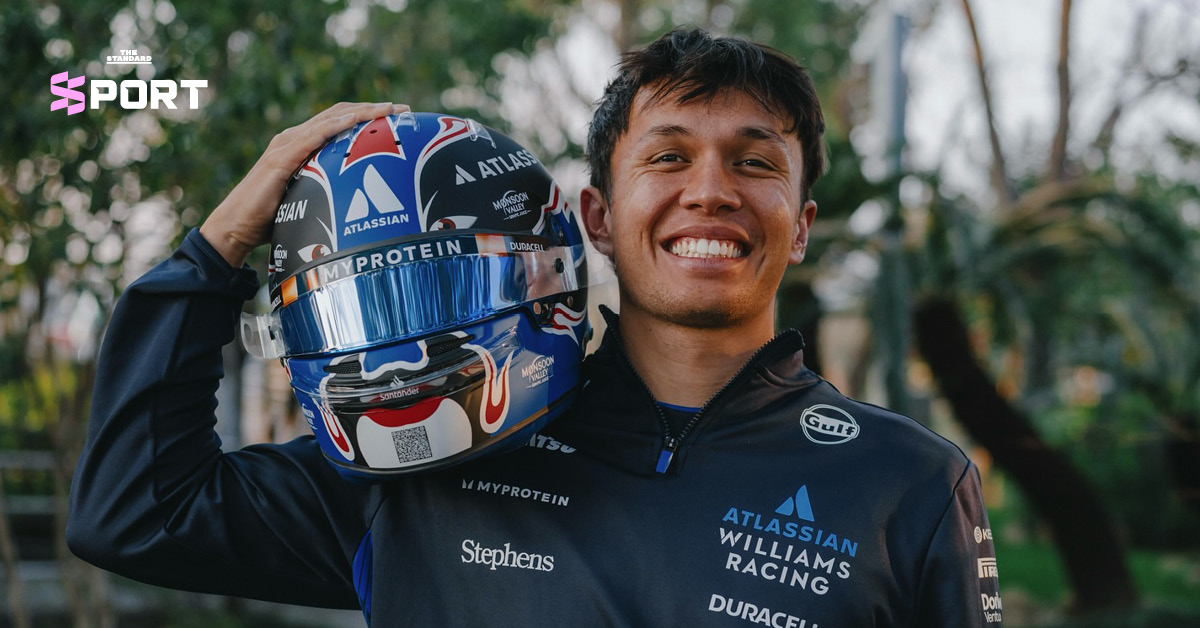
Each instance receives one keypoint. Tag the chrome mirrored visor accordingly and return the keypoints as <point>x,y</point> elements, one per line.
<point>332,308</point>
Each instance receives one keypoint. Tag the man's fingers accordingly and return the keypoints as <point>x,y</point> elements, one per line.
<point>349,116</point>
<point>291,148</point>
<point>356,110</point>
<point>336,119</point>
<point>244,219</point>
<point>332,113</point>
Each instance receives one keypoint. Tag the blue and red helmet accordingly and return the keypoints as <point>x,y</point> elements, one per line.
<point>428,298</point>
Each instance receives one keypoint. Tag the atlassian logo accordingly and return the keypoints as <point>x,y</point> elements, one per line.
<point>828,425</point>
<point>133,94</point>
<point>785,549</point>
<point>495,166</point>
<point>381,196</point>
<point>462,176</point>
<point>797,506</point>
<point>376,139</point>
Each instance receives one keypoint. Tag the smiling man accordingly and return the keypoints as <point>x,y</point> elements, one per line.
<point>702,477</point>
<point>713,207</point>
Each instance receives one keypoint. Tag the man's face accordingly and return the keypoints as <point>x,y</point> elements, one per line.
<point>705,212</point>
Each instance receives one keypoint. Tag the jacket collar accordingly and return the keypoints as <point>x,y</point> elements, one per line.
<point>615,416</point>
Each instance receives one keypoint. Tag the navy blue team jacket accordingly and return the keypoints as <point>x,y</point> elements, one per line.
<point>784,504</point>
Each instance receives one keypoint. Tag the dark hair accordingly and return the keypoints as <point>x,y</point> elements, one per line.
<point>691,63</point>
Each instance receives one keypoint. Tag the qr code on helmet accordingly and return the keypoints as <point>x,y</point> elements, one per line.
<point>412,444</point>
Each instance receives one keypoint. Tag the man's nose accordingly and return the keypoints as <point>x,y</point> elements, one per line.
<point>710,186</point>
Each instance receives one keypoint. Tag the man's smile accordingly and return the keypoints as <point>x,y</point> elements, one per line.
<point>704,248</point>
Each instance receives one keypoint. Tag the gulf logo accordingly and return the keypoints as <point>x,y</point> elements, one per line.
<point>828,425</point>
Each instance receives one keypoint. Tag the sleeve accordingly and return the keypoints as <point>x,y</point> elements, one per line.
<point>154,498</point>
<point>959,585</point>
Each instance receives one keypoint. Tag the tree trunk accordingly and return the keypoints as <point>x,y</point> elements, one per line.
<point>998,171</point>
<point>1091,551</point>
<point>1056,168</point>
<point>1183,457</point>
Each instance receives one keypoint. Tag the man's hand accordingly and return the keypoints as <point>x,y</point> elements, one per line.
<point>245,218</point>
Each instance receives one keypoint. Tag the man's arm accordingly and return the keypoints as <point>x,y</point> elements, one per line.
<point>959,582</point>
<point>153,496</point>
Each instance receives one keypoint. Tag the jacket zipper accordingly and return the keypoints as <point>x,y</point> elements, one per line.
<point>670,442</point>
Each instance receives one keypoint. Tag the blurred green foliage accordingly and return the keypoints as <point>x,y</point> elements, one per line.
<point>1030,569</point>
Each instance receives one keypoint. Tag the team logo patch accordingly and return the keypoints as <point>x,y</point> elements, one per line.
<point>828,425</point>
<point>797,506</point>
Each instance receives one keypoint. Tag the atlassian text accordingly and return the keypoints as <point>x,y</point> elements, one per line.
<point>791,530</point>
<point>371,223</point>
<point>294,210</point>
<point>516,491</point>
<point>754,613</point>
<point>474,553</point>
<point>506,163</point>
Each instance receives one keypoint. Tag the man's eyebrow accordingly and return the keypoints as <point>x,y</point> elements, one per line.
<point>762,133</point>
<point>668,130</point>
<point>753,132</point>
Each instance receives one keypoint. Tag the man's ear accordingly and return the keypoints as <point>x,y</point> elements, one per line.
<point>597,219</point>
<point>803,225</point>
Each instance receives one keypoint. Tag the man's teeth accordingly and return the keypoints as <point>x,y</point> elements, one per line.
<point>703,247</point>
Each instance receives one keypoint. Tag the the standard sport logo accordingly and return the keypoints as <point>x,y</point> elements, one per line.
<point>131,94</point>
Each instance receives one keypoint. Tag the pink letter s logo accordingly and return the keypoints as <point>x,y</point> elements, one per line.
<point>68,94</point>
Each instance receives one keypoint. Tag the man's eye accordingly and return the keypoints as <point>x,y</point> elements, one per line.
<point>754,163</point>
<point>669,158</point>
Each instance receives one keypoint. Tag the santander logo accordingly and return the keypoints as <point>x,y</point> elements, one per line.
<point>388,417</point>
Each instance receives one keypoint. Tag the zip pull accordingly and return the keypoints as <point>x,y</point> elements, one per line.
<point>665,456</point>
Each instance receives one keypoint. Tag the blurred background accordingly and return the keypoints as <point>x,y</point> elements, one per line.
<point>1007,249</point>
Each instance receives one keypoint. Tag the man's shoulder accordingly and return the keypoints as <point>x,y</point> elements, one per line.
<point>828,417</point>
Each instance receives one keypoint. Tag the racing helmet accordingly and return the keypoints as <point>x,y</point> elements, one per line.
<point>427,284</point>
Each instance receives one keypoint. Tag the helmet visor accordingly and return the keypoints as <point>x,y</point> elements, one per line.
<point>389,294</point>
